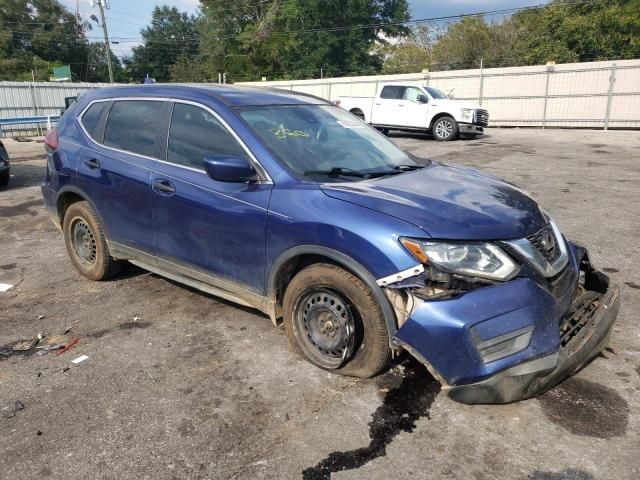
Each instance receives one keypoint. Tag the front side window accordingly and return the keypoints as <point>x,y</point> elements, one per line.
<point>392,92</point>
<point>314,138</point>
<point>195,134</point>
<point>435,93</point>
<point>133,125</point>
<point>92,120</point>
<point>411,94</point>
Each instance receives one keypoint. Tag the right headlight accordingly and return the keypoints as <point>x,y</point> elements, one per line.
<point>483,260</point>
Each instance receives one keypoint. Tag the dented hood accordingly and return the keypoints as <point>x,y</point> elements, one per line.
<point>448,202</point>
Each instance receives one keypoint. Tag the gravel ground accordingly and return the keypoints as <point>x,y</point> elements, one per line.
<point>179,384</point>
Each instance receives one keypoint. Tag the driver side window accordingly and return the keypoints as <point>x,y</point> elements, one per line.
<point>196,133</point>
<point>412,93</point>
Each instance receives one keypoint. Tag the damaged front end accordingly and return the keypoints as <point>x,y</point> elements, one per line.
<point>490,341</point>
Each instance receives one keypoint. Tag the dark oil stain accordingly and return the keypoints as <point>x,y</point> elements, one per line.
<point>597,145</point>
<point>99,333</point>
<point>591,163</point>
<point>20,209</point>
<point>587,409</point>
<point>8,266</point>
<point>186,428</point>
<point>611,270</point>
<point>131,325</point>
<point>566,190</point>
<point>638,370</point>
<point>569,474</point>
<point>632,285</point>
<point>401,408</point>
<point>623,374</point>
<point>602,151</point>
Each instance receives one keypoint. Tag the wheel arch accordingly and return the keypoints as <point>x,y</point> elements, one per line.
<point>295,259</point>
<point>358,113</point>
<point>438,116</point>
<point>69,195</point>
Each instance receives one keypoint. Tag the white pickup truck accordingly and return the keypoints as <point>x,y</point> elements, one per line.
<point>418,108</point>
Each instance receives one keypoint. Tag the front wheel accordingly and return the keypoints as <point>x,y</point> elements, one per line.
<point>333,320</point>
<point>445,129</point>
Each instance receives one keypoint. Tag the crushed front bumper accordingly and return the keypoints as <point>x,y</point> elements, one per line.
<point>536,376</point>
<point>570,319</point>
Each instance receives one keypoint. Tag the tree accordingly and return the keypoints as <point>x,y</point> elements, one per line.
<point>293,38</point>
<point>172,35</point>
<point>410,55</point>
<point>39,34</point>
<point>97,69</point>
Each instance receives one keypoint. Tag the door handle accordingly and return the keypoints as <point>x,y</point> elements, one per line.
<point>92,163</point>
<point>164,187</point>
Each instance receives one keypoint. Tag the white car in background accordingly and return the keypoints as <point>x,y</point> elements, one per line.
<point>418,108</point>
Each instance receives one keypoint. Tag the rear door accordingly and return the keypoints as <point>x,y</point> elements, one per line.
<point>115,167</point>
<point>212,228</point>
<point>388,107</point>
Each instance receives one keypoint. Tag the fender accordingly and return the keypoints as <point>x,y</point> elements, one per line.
<point>87,198</point>
<point>346,262</point>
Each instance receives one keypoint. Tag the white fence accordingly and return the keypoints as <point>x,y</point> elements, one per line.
<point>594,94</point>
<point>29,99</point>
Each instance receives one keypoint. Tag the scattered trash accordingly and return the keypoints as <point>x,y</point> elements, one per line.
<point>40,317</point>
<point>136,318</point>
<point>68,346</point>
<point>65,369</point>
<point>80,359</point>
<point>5,286</point>
<point>43,349</point>
<point>10,411</point>
<point>68,328</point>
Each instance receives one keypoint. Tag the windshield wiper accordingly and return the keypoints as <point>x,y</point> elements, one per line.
<point>407,167</point>
<point>335,172</point>
<point>397,169</point>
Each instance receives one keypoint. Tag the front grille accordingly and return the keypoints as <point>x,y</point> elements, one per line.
<point>545,242</point>
<point>578,317</point>
<point>482,117</point>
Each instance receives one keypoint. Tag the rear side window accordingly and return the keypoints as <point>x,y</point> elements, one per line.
<point>392,92</point>
<point>195,134</point>
<point>93,120</point>
<point>133,125</point>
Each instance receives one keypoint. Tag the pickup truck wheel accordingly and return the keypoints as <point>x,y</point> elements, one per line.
<point>4,179</point>
<point>333,320</point>
<point>445,129</point>
<point>86,243</point>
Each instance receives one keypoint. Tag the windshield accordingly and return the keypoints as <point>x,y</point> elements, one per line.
<point>324,140</point>
<point>435,93</point>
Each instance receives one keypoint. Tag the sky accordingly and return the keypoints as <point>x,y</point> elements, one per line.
<point>126,18</point>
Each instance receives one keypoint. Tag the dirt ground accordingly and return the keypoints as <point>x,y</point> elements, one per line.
<point>179,384</point>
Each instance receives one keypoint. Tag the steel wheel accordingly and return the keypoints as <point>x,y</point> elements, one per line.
<point>83,241</point>
<point>326,323</point>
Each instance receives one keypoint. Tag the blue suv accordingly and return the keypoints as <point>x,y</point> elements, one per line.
<point>289,204</point>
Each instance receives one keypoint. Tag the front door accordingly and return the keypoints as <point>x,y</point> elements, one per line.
<point>213,228</point>
<point>414,108</point>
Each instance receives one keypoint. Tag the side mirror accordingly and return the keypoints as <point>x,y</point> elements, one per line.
<point>229,168</point>
<point>422,98</point>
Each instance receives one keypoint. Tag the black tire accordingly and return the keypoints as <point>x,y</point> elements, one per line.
<point>4,179</point>
<point>86,243</point>
<point>445,129</point>
<point>368,350</point>
<point>359,114</point>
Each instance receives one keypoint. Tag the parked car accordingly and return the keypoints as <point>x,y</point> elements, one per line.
<point>5,168</point>
<point>291,205</point>
<point>418,108</point>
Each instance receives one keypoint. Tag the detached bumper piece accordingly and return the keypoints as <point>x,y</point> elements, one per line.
<point>584,332</point>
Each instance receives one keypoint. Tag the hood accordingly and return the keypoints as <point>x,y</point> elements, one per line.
<point>448,202</point>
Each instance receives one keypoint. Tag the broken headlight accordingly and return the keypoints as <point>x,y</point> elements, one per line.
<point>483,260</point>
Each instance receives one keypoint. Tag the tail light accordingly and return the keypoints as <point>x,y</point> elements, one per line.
<point>51,140</point>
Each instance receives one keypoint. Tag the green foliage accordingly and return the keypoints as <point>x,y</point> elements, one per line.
<point>172,35</point>
<point>410,55</point>
<point>36,35</point>
<point>251,38</point>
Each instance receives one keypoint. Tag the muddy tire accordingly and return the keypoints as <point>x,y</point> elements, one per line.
<point>333,320</point>
<point>445,129</point>
<point>86,243</point>
<point>4,179</point>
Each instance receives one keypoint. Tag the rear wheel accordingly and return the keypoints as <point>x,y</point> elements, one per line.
<point>333,320</point>
<point>86,243</point>
<point>445,129</point>
<point>4,179</point>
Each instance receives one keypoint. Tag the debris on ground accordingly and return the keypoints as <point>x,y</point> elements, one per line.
<point>68,328</point>
<point>10,411</point>
<point>5,286</point>
<point>68,346</point>
<point>80,359</point>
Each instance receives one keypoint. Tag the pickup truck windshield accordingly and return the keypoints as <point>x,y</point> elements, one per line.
<point>325,141</point>
<point>435,93</point>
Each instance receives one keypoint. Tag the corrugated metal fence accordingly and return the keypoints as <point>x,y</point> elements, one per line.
<point>594,94</point>
<point>29,99</point>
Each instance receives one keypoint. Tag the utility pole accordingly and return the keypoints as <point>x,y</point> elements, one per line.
<point>101,4</point>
